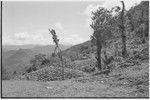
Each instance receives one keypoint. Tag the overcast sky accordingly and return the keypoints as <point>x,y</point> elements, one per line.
<point>28,22</point>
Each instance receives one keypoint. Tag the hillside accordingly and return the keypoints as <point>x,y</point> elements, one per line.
<point>124,86</point>
<point>75,71</point>
<point>15,59</point>
<point>76,52</point>
<point>48,49</point>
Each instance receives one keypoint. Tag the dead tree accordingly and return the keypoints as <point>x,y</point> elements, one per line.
<point>57,50</point>
<point>122,28</point>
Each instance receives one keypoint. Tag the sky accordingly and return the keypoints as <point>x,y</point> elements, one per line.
<point>25,23</point>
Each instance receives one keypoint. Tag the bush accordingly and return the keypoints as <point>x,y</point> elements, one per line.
<point>141,55</point>
<point>5,76</point>
<point>38,60</point>
<point>88,69</point>
<point>53,73</point>
<point>30,69</point>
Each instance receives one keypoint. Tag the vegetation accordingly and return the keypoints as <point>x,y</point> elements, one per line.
<point>101,27</point>
<point>37,62</point>
<point>122,28</point>
<point>139,20</point>
<point>4,74</point>
<point>56,41</point>
<point>119,49</point>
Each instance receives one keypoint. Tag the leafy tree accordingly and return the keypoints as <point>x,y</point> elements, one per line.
<point>102,27</point>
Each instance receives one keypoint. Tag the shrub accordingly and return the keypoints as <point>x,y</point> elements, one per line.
<point>88,69</point>
<point>53,73</point>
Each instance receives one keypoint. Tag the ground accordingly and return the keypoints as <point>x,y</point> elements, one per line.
<point>89,86</point>
<point>67,88</point>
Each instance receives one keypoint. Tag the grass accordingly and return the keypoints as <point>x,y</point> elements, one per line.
<point>128,82</point>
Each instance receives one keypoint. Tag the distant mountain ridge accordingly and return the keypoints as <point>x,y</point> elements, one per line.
<point>16,47</point>
<point>35,47</point>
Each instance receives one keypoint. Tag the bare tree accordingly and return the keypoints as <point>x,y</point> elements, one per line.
<point>57,50</point>
<point>122,27</point>
<point>120,23</point>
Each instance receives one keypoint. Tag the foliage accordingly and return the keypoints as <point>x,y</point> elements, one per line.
<point>139,14</point>
<point>107,60</point>
<point>83,48</point>
<point>4,74</point>
<point>139,19</point>
<point>102,27</point>
<point>31,68</point>
<point>120,19</point>
<point>74,56</point>
<point>51,73</point>
<point>37,62</point>
<point>88,70</point>
<point>55,38</point>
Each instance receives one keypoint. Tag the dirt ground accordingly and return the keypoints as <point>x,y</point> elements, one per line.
<point>79,87</point>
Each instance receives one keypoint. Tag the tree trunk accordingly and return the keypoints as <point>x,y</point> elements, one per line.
<point>124,51</point>
<point>99,58</point>
<point>143,33</point>
<point>62,64</point>
<point>99,47</point>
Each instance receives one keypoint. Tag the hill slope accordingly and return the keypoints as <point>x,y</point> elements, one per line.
<point>78,51</point>
<point>15,59</point>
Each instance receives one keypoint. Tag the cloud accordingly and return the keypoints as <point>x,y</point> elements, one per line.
<point>42,38</point>
<point>67,36</point>
<point>128,3</point>
<point>25,38</point>
<point>72,39</point>
<point>88,13</point>
<point>90,8</point>
<point>59,26</point>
